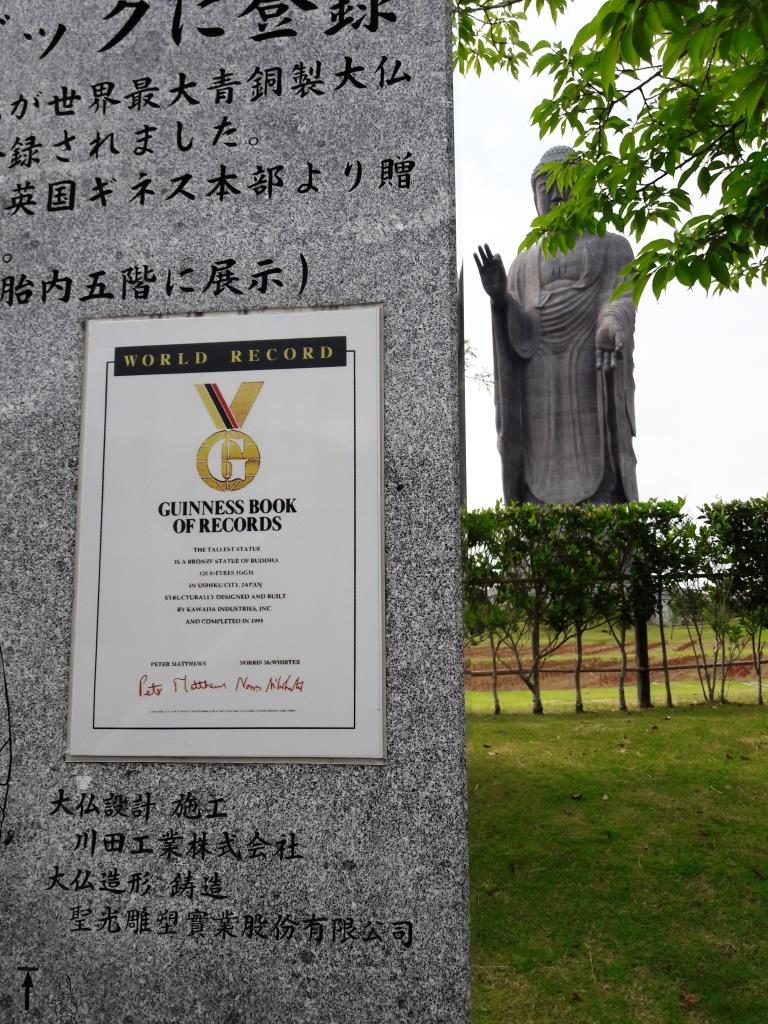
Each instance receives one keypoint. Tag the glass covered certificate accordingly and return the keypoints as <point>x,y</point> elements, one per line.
<point>229,591</point>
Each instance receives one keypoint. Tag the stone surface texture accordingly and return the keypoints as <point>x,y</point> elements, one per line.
<point>379,843</point>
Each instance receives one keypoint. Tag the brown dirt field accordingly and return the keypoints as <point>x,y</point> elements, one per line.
<point>597,671</point>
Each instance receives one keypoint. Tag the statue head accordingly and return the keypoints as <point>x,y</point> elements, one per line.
<point>545,198</point>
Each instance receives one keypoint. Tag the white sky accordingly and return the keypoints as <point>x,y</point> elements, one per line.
<point>700,361</point>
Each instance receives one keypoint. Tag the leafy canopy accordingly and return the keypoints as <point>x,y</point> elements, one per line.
<point>486,33</point>
<point>664,99</point>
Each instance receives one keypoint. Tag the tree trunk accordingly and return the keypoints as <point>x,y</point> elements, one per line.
<point>641,662</point>
<point>723,680</point>
<point>623,671</point>
<point>495,676</point>
<point>718,672</point>
<point>577,676</point>
<point>663,637</point>
<point>538,708</point>
<point>757,657</point>
<point>700,657</point>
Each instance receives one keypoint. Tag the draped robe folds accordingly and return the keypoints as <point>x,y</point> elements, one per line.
<point>564,429</point>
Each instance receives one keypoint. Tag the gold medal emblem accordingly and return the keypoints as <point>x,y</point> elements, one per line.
<point>229,459</point>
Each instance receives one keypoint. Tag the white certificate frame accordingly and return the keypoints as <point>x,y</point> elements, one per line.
<point>136,655</point>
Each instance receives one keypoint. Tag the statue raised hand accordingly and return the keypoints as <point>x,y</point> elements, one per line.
<point>492,273</point>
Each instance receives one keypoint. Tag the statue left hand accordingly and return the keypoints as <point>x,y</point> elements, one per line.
<point>609,343</point>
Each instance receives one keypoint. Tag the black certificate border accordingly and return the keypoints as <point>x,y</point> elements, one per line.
<point>234,728</point>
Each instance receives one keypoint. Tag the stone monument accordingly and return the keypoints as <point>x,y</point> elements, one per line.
<point>563,363</point>
<point>222,207</point>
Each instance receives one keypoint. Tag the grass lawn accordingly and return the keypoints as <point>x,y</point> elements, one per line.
<point>619,864</point>
<point>605,698</point>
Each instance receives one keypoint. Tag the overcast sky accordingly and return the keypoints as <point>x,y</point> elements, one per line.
<point>700,361</point>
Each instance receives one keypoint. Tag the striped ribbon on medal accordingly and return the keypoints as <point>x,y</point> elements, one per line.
<point>229,416</point>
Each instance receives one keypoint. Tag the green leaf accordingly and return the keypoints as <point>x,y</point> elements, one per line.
<point>608,63</point>
<point>749,100</point>
<point>544,62</point>
<point>702,42</point>
<point>719,269</point>
<point>659,282</point>
<point>642,37</point>
<point>639,288</point>
<point>685,274</point>
<point>672,52</point>
<point>704,275</point>
<point>585,33</point>
<point>669,16</point>
<point>657,245</point>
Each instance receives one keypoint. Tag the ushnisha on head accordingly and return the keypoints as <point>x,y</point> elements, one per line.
<point>545,198</point>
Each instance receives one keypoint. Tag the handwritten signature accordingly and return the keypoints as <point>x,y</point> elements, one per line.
<point>188,684</point>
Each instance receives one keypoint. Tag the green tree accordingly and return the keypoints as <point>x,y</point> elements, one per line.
<point>743,527</point>
<point>617,598</point>
<point>534,588</point>
<point>664,539</point>
<point>664,99</point>
<point>485,616</point>
<point>579,584</point>
<point>487,33</point>
<point>706,603</point>
<point>516,586</point>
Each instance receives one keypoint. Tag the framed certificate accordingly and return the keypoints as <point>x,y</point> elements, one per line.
<point>229,587</point>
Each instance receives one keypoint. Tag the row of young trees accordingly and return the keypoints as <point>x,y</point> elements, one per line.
<point>536,577</point>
